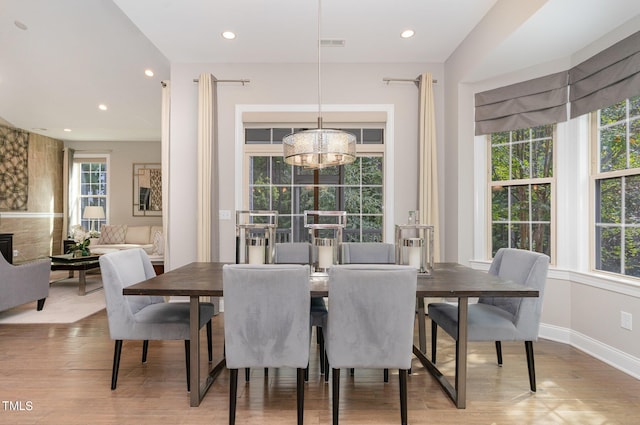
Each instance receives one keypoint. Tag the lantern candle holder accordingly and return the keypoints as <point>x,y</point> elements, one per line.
<point>255,236</point>
<point>414,246</point>
<point>325,234</point>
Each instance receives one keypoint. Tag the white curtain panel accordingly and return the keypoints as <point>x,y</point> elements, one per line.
<point>428,179</point>
<point>165,159</point>
<point>208,235</point>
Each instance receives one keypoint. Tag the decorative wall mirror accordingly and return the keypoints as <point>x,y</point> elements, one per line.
<point>147,190</point>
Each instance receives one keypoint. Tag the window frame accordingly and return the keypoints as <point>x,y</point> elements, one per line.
<point>275,150</point>
<point>595,174</point>
<point>552,181</point>
<point>76,212</point>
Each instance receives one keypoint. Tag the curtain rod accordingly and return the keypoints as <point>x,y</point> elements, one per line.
<point>409,80</point>
<point>243,81</point>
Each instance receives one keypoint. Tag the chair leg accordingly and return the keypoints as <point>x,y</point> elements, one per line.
<point>499,352</point>
<point>233,391</point>
<point>326,368</point>
<point>528,345</point>
<point>306,373</point>
<point>403,396</point>
<point>434,339</point>
<point>336,395</point>
<point>209,343</point>
<point>116,363</point>
<point>145,349</point>
<point>321,344</point>
<point>300,395</point>
<point>40,305</point>
<point>352,371</point>
<point>247,374</point>
<point>386,375</point>
<point>187,351</point>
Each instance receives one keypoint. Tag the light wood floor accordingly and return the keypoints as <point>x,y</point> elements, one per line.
<point>60,374</point>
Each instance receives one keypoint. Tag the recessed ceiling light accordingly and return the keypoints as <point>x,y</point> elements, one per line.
<point>148,73</point>
<point>407,33</point>
<point>68,130</point>
<point>20,25</point>
<point>102,107</point>
<point>229,35</point>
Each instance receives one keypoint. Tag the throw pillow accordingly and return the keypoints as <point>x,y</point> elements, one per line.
<point>137,235</point>
<point>110,234</point>
<point>158,243</point>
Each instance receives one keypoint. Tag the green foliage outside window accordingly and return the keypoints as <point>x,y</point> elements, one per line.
<point>521,179</point>
<point>617,206</point>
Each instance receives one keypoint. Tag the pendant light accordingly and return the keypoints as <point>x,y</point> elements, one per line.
<point>320,147</point>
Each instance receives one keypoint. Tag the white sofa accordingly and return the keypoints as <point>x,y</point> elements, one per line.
<point>122,236</point>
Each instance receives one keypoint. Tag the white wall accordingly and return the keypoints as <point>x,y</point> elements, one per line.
<point>122,157</point>
<point>286,84</point>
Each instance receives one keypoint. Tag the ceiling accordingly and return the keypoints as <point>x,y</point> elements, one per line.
<point>76,54</point>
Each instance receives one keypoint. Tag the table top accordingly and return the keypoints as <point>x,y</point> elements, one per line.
<point>69,258</point>
<point>447,280</point>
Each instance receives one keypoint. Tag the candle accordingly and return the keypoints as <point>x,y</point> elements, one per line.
<point>413,247</point>
<point>255,250</point>
<point>325,253</point>
<point>256,255</point>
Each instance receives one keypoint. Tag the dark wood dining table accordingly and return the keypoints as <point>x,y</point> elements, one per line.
<point>449,280</point>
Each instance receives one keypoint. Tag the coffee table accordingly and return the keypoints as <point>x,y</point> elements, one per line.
<point>71,263</point>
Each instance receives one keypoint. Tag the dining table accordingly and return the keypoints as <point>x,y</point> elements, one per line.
<point>446,280</point>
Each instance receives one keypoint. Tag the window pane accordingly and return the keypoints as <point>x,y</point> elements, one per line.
<point>632,252</point>
<point>520,236</point>
<point>280,171</point>
<point>613,148</point>
<point>351,232</point>
<point>372,170</point>
<point>372,136</point>
<point>259,170</point>
<point>305,197</point>
<point>634,144</point>
<point>352,200</point>
<point>634,106</point>
<point>520,161</point>
<point>541,202</point>
<point>352,172</point>
<point>327,198</point>
<point>613,113</point>
<point>500,163</point>
<point>260,198</point>
<point>519,203</point>
<point>609,195</point>
<point>608,255</point>
<point>541,238</point>
<point>499,203</point>
<point>371,228</point>
<point>356,132</point>
<point>257,136</point>
<point>500,138</point>
<point>282,200</point>
<point>279,133</point>
<point>542,132</point>
<point>520,135</point>
<point>542,161</point>
<point>632,199</point>
<point>499,237</point>
<point>372,200</point>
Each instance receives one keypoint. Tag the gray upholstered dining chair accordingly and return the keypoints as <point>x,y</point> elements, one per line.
<point>368,253</point>
<point>266,322</point>
<point>501,319</point>
<point>299,253</point>
<point>371,322</point>
<point>145,318</point>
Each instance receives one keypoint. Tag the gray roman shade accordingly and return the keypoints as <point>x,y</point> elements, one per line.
<point>527,104</point>
<point>606,78</point>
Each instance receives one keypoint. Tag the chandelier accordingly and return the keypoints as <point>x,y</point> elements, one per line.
<point>320,147</point>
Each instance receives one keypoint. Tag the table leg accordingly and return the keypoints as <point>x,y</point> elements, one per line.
<point>461,353</point>
<point>194,338</point>
<point>82,287</point>
<point>422,335</point>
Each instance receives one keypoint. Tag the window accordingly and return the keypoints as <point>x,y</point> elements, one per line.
<point>356,188</point>
<point>616,177</point>
<point>521,189</point>
<point>91,183</point>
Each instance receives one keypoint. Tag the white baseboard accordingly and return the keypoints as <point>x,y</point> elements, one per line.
<point>610,355</point>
